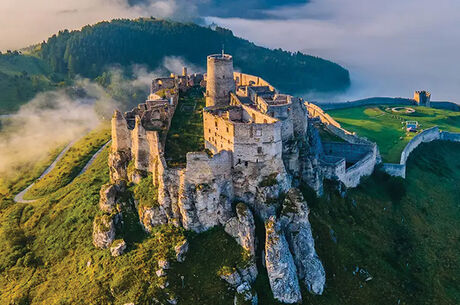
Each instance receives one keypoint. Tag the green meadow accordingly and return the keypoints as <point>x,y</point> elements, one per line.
<point>386,128</point>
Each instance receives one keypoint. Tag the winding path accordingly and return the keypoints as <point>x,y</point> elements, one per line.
<point>19,198</point>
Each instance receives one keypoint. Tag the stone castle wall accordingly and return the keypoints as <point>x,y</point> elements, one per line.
<point>351,152</point>
<point>450,136</point>
<point>362,168</point>
<point>428,135</point>
<point>365,157</point>
<point>243,79</point>
<point>250,135</point>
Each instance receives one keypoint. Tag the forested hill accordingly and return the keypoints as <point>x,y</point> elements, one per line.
<point>89,51</point>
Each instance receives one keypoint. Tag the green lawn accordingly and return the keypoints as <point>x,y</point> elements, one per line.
<point>186,132</point>
<point>379,124</point>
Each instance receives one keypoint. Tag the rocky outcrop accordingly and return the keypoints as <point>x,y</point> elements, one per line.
<point>242,228</point>
<point>152,216</point>
<point>118,247</point>
<point>118,166</point>
<point>294,219</point>
<point>249,186</point>
<point>236,276</point>
<point>241,279</point>
<point>204,206</point>
<point>108,195</point>
<point>181,249</point>
<point>245,295</point>
<point>282,271</point>
<point>103,231</point>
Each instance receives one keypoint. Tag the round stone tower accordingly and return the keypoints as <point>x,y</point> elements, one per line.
<point>219,82</point>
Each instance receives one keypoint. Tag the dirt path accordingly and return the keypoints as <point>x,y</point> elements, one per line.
<point>91,161</point>
<point>19,198</point>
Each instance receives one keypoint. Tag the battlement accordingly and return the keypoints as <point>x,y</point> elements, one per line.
<point>422,98</point>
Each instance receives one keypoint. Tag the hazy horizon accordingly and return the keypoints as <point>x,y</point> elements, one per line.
<point>390,49</point>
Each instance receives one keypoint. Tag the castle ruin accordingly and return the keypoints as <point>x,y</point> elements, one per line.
<point>259,145</point>
<point>422,98</point>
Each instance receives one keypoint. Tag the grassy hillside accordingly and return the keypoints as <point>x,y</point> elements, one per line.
<point>21,77</point>
<point>147,41</point>
<point>402,234</point>
<point>381,125</point>
<point>71,164</point>
<point>48,257</point>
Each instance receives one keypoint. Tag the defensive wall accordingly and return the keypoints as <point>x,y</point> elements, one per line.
<point>243,79</point>
<point>338,154</point>
<point>425,136</point>
<point>251,136</point>
<point>358,150</point>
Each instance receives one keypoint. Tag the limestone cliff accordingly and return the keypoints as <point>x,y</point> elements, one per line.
<point>282,271</point>
<point>242,228</point>
<point>294,219</point>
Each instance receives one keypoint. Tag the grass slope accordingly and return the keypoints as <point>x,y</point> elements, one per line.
<point>386,129</point>
<point>71,163</point>
<point>403,234</point>
<point>186,132</point>
<point>48,256</point>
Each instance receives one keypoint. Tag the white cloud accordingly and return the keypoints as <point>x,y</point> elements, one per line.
<point>390,47</point>
<point>26,22</point>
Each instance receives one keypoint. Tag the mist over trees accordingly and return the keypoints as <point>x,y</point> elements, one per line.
<point>91,50</point>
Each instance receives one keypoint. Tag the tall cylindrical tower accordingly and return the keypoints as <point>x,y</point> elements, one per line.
<point>219,82</point>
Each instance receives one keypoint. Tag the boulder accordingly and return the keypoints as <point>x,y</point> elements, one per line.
<point>294,219</point>
<point>163,264</point>
<point>107,201</point>
<point>103,231</point>
<point>281,269</point>
<point>118,247</point>
<point>245,295</point>
<point>236,276</point>
<point>181,249</point>
<point>118,165</point>
<point>242,228</point>
<point>150,217</point>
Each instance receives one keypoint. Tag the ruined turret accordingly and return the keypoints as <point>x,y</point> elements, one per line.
<point>140,147</point>
<point>219,82</point>
<point>121,140</point>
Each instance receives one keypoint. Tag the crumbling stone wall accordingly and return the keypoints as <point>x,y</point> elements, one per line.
<point>243,79</point>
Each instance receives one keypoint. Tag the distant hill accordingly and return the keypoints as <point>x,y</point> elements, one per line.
<point>21,77</point>
<point>147,41</point>
<point>89,52</point>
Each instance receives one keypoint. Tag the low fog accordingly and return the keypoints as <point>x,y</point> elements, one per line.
<point>390,47</point>
<point>57,117</point>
